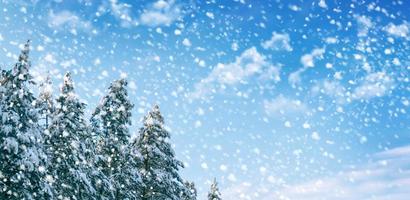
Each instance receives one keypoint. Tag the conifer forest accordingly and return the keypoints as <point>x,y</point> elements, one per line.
<point>204,100</point>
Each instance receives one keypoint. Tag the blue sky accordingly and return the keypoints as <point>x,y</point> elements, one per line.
<point>276,99</point>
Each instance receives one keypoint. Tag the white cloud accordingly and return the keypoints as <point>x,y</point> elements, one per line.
<point>122,11</point>
<point>333,89</point>
<point>386,177</point>
<point>242,191</point>
<point>160,13</point>
<point>331,40</point>
<point>308,61</point>
<point>282,106</point>
<point>364,24</point>
<point>376,84</point>
<point>248,64</point>
<point>395,153</point>
<point>294,77</point>
<point>271,73</point>
<point>68,20</point>
<point>402,30</point>
<point>278,42</point>
<point>50,58</point>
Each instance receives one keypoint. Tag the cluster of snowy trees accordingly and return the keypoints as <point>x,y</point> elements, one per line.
<point>50,151</point>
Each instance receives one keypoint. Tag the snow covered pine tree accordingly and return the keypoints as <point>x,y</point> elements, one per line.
<point>67,143</point>
<point>110,122</point>
<point>159,167</point>
<point>191,193</point>
<point>22,161</point>
<point>214,193</point>
<point>45,102</point>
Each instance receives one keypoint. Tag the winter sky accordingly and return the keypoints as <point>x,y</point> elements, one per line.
<point>303,100</point>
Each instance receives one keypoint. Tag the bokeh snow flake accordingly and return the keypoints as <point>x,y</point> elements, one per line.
<point>276,99</point>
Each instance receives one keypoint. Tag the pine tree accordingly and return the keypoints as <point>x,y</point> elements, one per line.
<point>68,145</point>
<point>2,75</point>
<point>214,193</point>
<point>191,192</point>
<point>45,102</point>
<point>159,167</point>
<point>22,161</point>
<point>110,121</point>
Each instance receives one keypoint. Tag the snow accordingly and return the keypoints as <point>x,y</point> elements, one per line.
<point>186,42</point>
<point>322,4</point>
<point>278,42</point>
<point>401,30</point>
<point>315,135</point>
<point>308,59</point>
<point>11,145</point>
<point>274,99</point>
